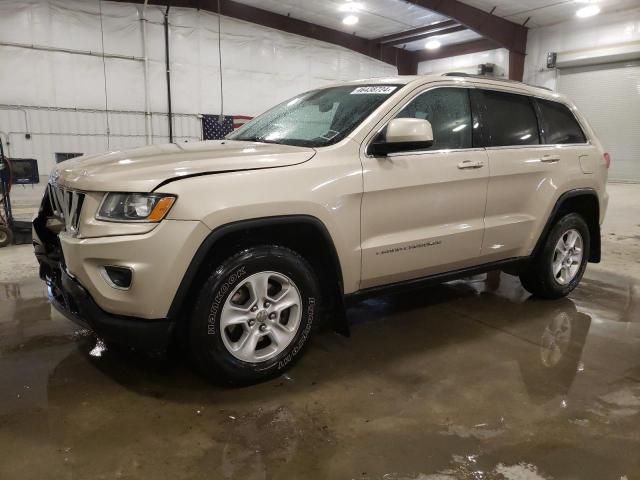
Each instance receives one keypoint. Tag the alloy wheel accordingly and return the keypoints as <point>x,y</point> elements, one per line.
<point>261,317</point>
<point>567,256</point>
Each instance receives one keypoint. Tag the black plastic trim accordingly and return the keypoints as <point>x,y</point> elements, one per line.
<point>78,306</point>
<point>434,279</point>
<point>594,256</point>
<point>381,149</point>
<point>222,231</point>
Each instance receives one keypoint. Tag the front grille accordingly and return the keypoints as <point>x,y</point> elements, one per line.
<point>66,205</point>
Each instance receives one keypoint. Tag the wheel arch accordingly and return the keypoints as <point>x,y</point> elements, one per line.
<point>585,202</point>
<point>305,234</point>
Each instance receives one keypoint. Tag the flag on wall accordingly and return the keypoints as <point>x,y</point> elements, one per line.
<point>215,128</point>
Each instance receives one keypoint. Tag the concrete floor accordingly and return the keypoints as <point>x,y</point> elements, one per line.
<point>467,380</point>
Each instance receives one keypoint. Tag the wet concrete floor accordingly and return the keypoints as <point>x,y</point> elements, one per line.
<point>467,380</point>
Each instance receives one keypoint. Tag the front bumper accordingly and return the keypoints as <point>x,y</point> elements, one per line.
<point>74,302</point>
<point>136,317</point>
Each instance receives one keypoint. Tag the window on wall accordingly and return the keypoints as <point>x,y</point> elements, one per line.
<point>449,112</point>
<point>558,123</point>
<point>61,157</point>
<point>509,120</point>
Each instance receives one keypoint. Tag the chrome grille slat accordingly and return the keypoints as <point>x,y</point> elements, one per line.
<point>53,198</point>
<point>66,205</point>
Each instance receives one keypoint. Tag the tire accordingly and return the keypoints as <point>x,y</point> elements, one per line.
<point>231,312</point>
<point>540,278</point>
<point>6,236</point>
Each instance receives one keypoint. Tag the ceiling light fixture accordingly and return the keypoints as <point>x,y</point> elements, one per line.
<point>588,11</point>
<point>432,45</point>
<point>350,20</point>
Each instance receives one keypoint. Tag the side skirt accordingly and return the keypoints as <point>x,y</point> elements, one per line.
<point>510,264</point>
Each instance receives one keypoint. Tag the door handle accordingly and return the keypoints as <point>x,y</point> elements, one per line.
<point>550,158</point>
<point>470,164</point>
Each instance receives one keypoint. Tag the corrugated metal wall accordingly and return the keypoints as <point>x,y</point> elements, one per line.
<point>65,90</point>
<point>57,131</point>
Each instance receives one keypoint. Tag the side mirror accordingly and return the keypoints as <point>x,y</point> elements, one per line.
<point>403,135</point>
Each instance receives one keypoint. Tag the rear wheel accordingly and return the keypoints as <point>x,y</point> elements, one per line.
<point>6,236</point>
<point>559,265</point>
<point>254,315</point>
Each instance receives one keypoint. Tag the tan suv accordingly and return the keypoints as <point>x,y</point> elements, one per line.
<point>241,247</point>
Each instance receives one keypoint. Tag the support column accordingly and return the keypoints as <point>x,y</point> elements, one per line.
<point>516,66</point>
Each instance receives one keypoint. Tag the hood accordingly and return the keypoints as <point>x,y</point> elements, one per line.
<point>143,169</point>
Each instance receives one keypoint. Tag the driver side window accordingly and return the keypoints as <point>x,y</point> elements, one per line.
<point>449,111</point>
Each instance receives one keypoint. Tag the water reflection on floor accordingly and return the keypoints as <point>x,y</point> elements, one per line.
<point>468,380</point>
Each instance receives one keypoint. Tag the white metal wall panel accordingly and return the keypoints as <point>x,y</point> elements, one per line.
<point>582,36</point>
<point>260,66</point>
<point>468,63</point>
<point>57,131</point>
<point>609,96</point>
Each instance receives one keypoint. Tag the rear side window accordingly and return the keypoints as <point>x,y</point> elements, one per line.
<point>509,120</point>
<point>449,111</point>
<point>558,124</point>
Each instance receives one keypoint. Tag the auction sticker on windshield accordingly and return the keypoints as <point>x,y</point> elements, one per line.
<point>378,89</point>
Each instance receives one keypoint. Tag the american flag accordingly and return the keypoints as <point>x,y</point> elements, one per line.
<point>215,127</point>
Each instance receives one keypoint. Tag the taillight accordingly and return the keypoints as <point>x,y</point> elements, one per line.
<point>607,160</point>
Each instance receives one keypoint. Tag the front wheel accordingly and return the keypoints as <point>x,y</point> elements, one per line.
<point>559,265</point>
<point>254,315</point>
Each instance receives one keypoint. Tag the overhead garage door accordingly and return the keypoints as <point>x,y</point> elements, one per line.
<point>609,96</point>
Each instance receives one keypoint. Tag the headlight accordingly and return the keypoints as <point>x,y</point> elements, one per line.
<point>135,207</point>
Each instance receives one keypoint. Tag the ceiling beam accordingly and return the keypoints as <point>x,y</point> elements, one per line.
<point>434,27</point>
<point>480,45</point>
<point>503,32</point>
<point>424,36</point>
<point>402,59</point>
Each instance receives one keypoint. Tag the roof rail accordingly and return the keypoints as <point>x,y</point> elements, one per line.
<point>487,77</point>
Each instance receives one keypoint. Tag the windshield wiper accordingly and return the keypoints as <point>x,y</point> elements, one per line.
<point>254,139</point>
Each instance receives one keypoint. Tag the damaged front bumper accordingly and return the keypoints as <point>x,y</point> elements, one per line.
<point>72,300</point>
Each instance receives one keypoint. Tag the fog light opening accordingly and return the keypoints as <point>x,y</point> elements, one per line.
<point>117,277</point>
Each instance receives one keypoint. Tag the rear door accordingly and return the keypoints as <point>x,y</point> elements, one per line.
<point>527,172</point>
<point>422,211</point>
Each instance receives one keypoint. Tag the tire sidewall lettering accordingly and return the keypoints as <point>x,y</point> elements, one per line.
<point>208,346</point>
<point>311,302</point>
<point>220,297</point>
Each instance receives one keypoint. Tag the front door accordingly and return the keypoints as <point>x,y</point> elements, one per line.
<point>423,212</point>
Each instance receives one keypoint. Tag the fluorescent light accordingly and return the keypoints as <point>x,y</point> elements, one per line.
<point>350,20</point>
<point>459,127</point>
<point>432,45</point>
<point>588,11</point>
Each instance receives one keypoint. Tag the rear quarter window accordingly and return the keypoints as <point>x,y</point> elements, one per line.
<point>559,125</point>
